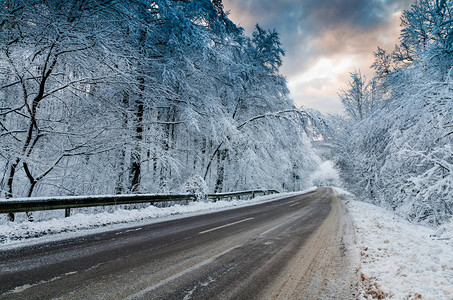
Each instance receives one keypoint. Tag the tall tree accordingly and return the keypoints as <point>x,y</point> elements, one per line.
<point>48,61</point>
<point>400,156</point>
<point>356,98</point>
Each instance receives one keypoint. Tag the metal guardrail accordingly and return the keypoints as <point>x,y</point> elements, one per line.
<point>52,203</point>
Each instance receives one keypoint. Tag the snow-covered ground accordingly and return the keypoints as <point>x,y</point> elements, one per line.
<point>401,260</point>
<point>16,234</point>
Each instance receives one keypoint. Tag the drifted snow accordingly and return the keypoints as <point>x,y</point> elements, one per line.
<point>401,260</point>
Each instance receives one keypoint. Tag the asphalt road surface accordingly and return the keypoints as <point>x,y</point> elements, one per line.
<point>293,248</point>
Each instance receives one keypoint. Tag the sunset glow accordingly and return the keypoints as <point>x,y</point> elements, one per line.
<point>324,41</point>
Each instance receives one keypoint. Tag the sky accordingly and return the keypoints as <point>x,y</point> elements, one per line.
<point>324,40</point>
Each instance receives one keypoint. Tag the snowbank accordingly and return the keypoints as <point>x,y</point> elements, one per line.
<point>401,260</point>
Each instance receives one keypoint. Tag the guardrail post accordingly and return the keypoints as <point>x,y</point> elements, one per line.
<point>67,212</point>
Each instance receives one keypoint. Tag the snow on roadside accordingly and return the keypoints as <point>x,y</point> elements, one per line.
<point>12,233</point>
<point>401,260</point>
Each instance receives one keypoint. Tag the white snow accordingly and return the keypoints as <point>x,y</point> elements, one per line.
<point>326,175</point>
<point>14,234</point>
<point>401,260</point>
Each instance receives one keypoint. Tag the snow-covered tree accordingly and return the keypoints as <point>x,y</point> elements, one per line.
<point>383,67</point>
<point>427,25</point>
<point>356,97</point>
<point>382,64</point>
<point>399,156</point>
<point>143,96</point>
<point>48,82</point>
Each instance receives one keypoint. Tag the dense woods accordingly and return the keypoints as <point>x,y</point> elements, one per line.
<point>138,96</point>
<point>109,96</point>
<point>396,148</point>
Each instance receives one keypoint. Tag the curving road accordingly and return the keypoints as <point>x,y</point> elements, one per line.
<point>293,248</point>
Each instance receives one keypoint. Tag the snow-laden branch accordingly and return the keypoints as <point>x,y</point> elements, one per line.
<point>273,115</point>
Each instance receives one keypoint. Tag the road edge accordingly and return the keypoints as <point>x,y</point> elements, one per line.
<point>327,266</point>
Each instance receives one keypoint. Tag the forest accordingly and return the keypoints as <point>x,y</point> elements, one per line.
<point>168,96</point>
<point>141,96</point>
<point>395,147</point>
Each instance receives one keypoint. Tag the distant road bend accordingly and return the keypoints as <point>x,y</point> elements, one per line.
<point>292,248</point>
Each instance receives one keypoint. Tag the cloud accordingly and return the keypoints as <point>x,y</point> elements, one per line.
<point>357,14</point>
<point>341,32</point>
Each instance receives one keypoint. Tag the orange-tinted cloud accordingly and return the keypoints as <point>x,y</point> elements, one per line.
<point>324,40</point>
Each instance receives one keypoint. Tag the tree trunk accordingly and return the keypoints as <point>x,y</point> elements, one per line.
<point>121,184</point>
<point>9,193</point>
<point>119,189</point>
<point>30,192</point>
<point>221,157</point>
<point>135,174</point>
<point>164,116</point>
<point>136,156</point>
